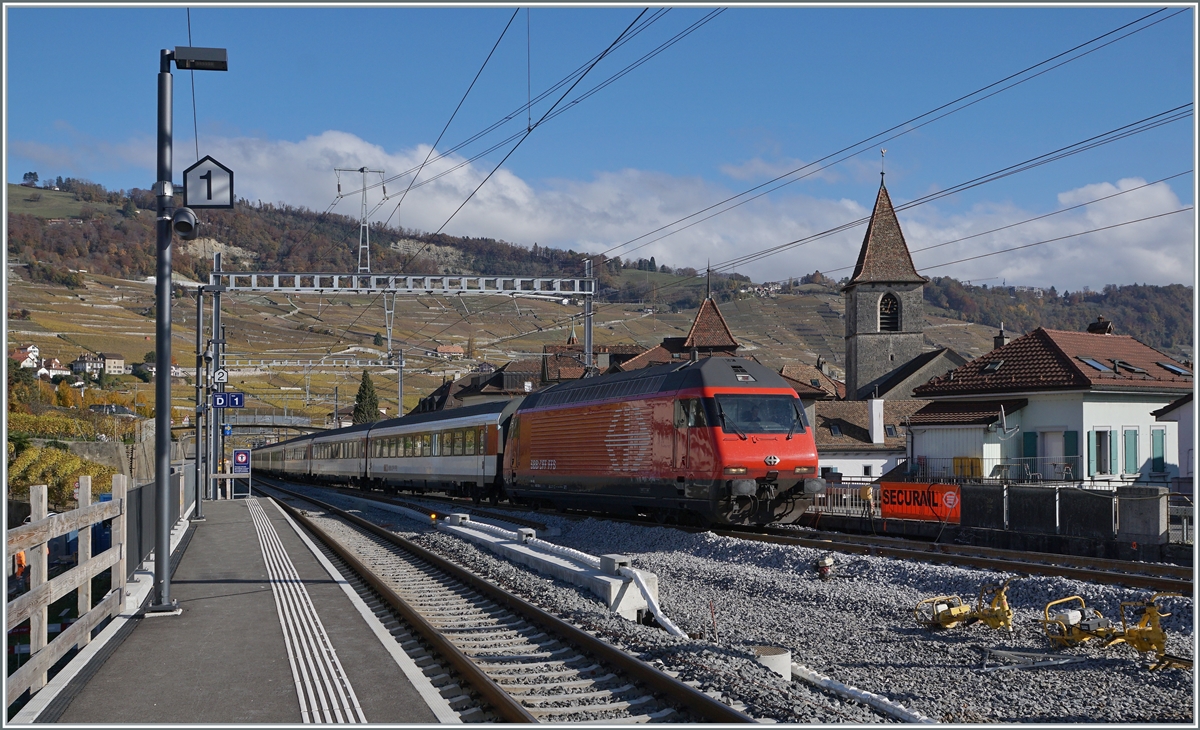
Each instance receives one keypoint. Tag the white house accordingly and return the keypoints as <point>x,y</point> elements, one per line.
<point>87,363</point>
<point>1182,413</point>
<point>51,367</point>
<point>861,438</point>
<point>1076,406</point>
<point>26,357</point>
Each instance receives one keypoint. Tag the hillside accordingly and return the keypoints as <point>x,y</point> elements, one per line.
<point>84,227</point>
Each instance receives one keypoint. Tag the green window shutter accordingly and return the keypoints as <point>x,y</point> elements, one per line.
<point>1113,463</point>
<point>1091,453</point>
<point>1131,455</point>
<point>1157,450</point>
<point>1070,443</point>
<point>1029,449</point>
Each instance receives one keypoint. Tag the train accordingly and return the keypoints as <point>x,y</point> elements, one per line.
<point>717,440</point>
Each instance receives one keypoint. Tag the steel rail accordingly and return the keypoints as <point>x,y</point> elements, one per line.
<point>687,696</point>
<point>1098,570</point>
<point>1070,561</point>
<point>1157,583</point>
<point>504,704</point>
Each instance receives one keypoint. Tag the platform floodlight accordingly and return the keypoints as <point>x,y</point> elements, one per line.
<point>201,59</point>
<point>184,224</point>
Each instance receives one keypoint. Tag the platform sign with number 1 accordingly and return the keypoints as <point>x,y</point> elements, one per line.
<point>208,184</point>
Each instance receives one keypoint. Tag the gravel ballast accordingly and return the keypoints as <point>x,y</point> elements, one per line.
<point>858,628</point>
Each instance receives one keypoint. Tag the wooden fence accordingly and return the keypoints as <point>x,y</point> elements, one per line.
<point>33,538</point>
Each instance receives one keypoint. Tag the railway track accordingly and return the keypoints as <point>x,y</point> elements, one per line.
<point>1099,570</point>
<point>1134,574</point>
<point>523,664</point>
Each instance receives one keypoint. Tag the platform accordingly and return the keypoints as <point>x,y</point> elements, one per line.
<point>268,633</point>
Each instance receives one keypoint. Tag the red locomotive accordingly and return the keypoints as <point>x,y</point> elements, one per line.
<point>718,440</point>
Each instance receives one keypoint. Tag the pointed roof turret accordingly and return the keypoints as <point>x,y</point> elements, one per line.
<point>709,331</point>
<point>884,255</point>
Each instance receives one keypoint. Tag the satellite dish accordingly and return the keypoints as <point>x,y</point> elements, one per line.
<point>1005,431</point>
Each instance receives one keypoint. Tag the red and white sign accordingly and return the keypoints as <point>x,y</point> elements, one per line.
<point>919,501</point>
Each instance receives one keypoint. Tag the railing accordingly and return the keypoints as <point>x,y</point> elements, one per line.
<point>1181,518</point>
<point>1021,470</point>
<point>32,539</point>
<point>845,497</point>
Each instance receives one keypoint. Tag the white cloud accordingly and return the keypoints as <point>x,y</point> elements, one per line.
<point>85,155</point>
<point>1156,251</point>
<point>617,206</point>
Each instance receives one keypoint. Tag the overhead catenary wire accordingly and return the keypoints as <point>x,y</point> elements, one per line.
<point>579,99</point>
<point>562,321</point>
<point>1031,220</point>
<point>1013,169</point>
<point>451,119</point>
<point>1142,125</point>
<point>549,91</point>
<point>535,126</point>
<point>192,72</point>
<point>875,139</point>
<point>1035,66</point>
<point>1058,238</point>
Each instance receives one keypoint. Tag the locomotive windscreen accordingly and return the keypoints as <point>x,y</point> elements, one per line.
<point>760,413</point>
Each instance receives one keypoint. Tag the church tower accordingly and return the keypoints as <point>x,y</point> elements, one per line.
<point>885,313</point>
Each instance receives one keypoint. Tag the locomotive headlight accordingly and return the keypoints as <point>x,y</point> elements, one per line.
<point>735,470</point>
<point>806,470</point>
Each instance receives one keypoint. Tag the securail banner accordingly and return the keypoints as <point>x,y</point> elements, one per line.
<point>915,501</point>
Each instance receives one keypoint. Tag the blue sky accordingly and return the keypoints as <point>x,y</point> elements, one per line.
<point>752,93</point>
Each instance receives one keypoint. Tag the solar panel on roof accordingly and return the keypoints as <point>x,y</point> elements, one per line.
<point>1173,368</point>
<point>1096,364</point>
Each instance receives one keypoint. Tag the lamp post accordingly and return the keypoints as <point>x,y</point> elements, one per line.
<point>168,220</point>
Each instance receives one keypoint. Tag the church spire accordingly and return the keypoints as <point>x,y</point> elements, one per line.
<point>884,255</point>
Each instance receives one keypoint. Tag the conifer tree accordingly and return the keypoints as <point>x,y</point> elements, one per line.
<point>366,403</point>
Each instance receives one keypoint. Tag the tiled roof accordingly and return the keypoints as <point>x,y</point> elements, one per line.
<point>965,413</point>
<point>657,355</point>
<point>884,255</point>
<point>709,329</point>
<point>805,390</point>
<point>597,349</point>
<point>806,373</point>
<point>907,369</point>
<point>1050,360</point>
<point>853,420</point>
<point>1177,403</point>
<point>563,367</point>
<point>523,366</point>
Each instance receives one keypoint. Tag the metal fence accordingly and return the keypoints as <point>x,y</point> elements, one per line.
<point>859,497</point>
<point>141,510</point>
<point>1009,470</point>
<point>846,497</point>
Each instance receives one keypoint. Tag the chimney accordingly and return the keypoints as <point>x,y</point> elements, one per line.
<point>1100,327</point>
<point>875,409</point>
<point>822,365</point>
<point>1001,339</point>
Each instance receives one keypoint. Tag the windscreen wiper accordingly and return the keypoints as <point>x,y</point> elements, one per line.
<point>795,420</point>
<point>724,423</point>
